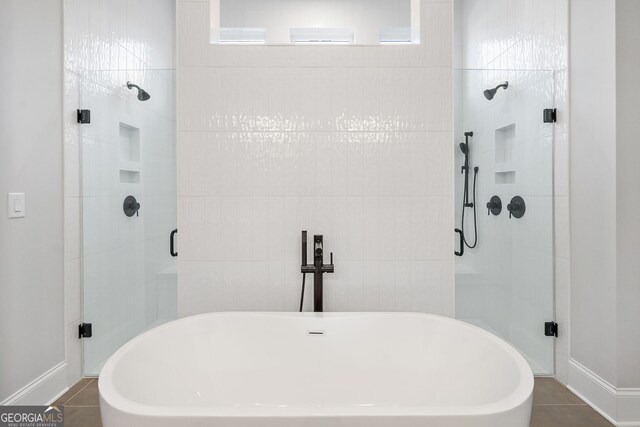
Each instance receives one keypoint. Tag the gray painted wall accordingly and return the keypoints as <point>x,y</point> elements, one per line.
<point>628,193</point>
<point>31,265</point>
<point>605,224</point>
<point>593,186</point>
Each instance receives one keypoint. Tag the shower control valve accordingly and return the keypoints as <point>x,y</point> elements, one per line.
<point>517,207</point>
<point>131,206</point>
<point>494,206</point>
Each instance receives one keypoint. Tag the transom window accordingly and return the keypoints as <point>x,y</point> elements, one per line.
<point>315,22</point>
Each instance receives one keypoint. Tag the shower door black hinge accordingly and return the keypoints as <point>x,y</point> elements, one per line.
<point>551,329</point>
<point>84,330</point>
<point>550,115</point>
<point>84,116</point>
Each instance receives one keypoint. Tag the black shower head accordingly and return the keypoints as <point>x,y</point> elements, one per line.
<point>143,95</point>
<point>490,93</point>
<point>464,147</point>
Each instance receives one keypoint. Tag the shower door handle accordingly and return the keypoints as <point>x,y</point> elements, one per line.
<point>172,243</point>
<point>461,243</point>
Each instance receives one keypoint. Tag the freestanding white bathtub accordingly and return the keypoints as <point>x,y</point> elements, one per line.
<point>316,370</point>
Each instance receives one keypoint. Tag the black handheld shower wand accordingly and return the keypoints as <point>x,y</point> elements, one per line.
<point>466,203</point>
<point>304,262</point>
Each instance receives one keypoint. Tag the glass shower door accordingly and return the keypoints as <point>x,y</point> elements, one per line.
<point>506,283</point>
<point>128,161</point>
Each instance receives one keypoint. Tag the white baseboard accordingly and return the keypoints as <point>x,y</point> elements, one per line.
<point>619,406</point>
<point>629,407</point>
<point>44,390</point>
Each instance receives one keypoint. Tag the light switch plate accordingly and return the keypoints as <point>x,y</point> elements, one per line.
<point>15,205</point>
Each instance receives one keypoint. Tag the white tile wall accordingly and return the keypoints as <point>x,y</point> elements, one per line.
<point>105,41</point>
<point>529,35</point>
<point>348,142</point>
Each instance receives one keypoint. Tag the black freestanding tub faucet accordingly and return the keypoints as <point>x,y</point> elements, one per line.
<point>318,268</point>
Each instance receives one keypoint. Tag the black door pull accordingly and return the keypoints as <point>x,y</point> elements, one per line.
<point>461,243</point>
<point>172,250</point>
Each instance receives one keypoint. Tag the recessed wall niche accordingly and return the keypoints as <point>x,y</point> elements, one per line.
<point>129,140</point>
<point>300,22</point>
<point>505,143</point>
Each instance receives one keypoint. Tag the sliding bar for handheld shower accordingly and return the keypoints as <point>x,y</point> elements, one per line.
<point>465,169</point>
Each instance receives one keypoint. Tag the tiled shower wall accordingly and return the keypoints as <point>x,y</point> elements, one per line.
<point>102,39</point>
<point>530,35</point>
<point>352,142</point>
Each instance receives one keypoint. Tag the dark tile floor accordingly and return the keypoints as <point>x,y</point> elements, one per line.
<point>81,404</point>
<point>553,406</point>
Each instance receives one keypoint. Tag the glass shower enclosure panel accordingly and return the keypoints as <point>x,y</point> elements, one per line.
<point>128,162</point>
<point>505,284</point>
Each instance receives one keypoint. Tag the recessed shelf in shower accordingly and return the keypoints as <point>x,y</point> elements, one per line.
<point>129,165</point>
<point>505,137</point>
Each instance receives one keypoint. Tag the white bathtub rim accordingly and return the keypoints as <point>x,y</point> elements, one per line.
<point>111,397</point>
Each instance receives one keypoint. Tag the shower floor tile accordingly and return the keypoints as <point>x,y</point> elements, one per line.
<point>553,406</point>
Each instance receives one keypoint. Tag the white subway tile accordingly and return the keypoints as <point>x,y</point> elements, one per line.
<point>285,139</point>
